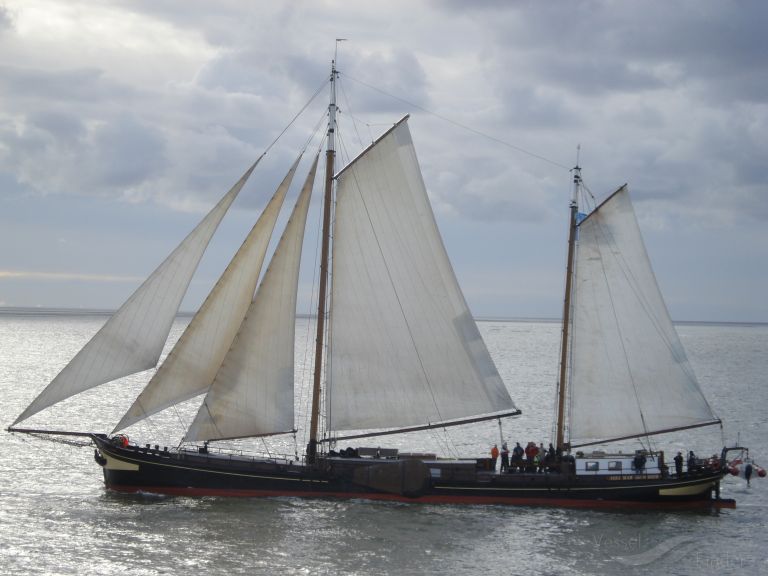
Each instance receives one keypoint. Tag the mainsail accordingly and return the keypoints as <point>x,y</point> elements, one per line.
<point>629,372</point>
<point>133,338</point>
<point>191,366</point>
<point>252,393</point>
<point>404,347</point>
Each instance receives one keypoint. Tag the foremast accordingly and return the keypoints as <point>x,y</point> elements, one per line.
<point>330,156</point>
<point>562,385</point>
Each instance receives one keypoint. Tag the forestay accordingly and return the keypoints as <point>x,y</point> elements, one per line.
<point>191,366</point>
<point>404,348</point>
<point>133,338</point>
<point>629,372</point>
<point>252,393</point>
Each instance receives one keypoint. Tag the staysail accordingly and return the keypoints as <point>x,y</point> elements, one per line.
<point>252,394</point>
<point>133,338</point>
<point>629,372</point>
<point>404,348</point>
<point>191,366</point>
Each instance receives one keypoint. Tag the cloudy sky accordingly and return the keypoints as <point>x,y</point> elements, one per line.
<point>122,122</point>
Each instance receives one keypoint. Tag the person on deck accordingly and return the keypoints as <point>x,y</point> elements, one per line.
<point>504,458</point>
<point>679,464</point>
<point>517,457</point>
<point>692,466</point>
<point>549,459</point>
<point>531,451</point>
<point>494,456</point>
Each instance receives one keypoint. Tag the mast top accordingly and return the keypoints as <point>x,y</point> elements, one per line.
<point>576,179</point>
<point>332,108</point>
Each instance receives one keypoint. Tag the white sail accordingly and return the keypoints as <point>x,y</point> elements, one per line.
<point>629,372</point>
<point>404,348</point>
<point>191,366</point>
<point>252,394</point>
<point>133,338</point>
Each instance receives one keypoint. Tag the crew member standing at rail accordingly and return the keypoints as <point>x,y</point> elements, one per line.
<point>504,458</point>
<point>679,464</point>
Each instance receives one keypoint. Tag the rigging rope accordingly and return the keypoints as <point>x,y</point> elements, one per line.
<point>75,443</point>
<point>354,124</point>
<point>299,113</point>
<point>462,126</point>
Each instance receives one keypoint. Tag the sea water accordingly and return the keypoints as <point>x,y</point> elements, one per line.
<point>57,518</point>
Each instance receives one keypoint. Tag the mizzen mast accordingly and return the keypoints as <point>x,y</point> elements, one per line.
<point>567,309</point>
<point>330,156</point>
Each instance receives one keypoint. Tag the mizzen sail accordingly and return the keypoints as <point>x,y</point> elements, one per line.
<point>191,366</point>
<point>133,338</point>
<point>629,372</point>
<point>252,393</point>
<point>404,348</point>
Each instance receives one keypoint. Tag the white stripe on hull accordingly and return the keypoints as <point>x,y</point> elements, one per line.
<point>118,464</point>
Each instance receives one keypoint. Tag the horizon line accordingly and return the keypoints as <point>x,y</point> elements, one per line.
<point>54,311</point>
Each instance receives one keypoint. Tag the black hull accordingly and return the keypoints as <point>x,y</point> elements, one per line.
<point>133,469</point>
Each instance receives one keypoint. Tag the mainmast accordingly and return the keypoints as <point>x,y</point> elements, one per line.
<point>330,155</point>
<point>567,309</point>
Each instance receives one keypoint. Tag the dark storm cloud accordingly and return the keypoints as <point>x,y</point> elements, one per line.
<point>59,124</point>
<point>54,87</point>
<point>723,45</point>
<point>717,48</point>
<point>250,70</point>
<point>125,153</point>
<point>72,131</point>
<point>394,72</point>
<point>54,153</point>
<point>78,131</point>
<point>594,46</point>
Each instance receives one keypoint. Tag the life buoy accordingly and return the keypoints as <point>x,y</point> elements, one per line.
<point>120,440</point>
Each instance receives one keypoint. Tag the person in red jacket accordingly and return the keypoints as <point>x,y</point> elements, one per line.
<point>494,456</point>
<point>531,450</point>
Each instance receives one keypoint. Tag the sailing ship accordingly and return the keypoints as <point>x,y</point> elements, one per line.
<point>396,351</point>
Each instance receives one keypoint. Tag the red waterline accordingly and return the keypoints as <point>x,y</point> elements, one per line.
<point>429,499</point>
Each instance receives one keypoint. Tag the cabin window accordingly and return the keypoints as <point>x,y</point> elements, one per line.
<point>615,465</point>
<point>592,466</point>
